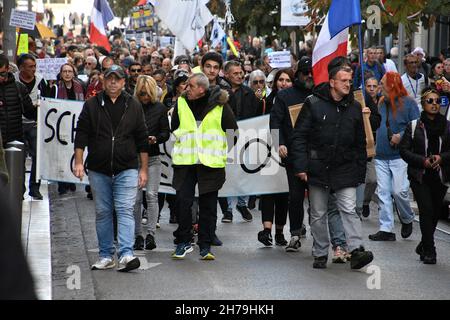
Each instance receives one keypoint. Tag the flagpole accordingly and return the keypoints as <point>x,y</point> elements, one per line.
<point>361,61</point>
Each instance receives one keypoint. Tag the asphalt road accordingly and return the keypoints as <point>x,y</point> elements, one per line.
<point>244,268</point>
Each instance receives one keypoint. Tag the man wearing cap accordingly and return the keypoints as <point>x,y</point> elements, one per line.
<point>328,152</point>
<point>112,126</point>
<point>281,125</point>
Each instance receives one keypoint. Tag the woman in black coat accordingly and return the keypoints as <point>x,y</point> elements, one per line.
<point>425,146</point>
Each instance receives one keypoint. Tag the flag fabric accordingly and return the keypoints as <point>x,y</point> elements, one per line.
<point>217,34</point>
<point>100,16</point>
<point>333,37</point>
<point>185,19</point>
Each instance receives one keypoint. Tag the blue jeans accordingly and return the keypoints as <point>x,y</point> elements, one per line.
<point>119,193</point>
<point>335,226</point>
<point>392,181</point>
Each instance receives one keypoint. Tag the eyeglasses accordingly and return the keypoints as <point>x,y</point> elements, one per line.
<point>433,101</point>
<point>3,74</point>
<point>88,63</point>
<point>135,70</point>
<point>143,94</point>
<point>255,82</point>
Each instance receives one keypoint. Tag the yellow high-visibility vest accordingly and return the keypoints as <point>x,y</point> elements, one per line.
<point>205,144</point>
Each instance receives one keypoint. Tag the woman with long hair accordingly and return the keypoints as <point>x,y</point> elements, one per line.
<point>158,132</point>
<point>425,146</point>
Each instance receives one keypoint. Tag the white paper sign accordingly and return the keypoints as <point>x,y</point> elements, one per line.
<point>22,19</point>
<point>280,59</point>
<point>292,13</point>
<point>49,67</point>
<point>166,41</point>
<point>258,171</point>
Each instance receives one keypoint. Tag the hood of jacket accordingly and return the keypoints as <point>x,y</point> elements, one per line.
<point>322,91</point>
<point>217,96</point>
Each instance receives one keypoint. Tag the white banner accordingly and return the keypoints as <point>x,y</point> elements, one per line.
<point>280,59</point>
<point>253,164</point>
<point>49,67</point>
<point>293,13</point>
<point>22,19</point>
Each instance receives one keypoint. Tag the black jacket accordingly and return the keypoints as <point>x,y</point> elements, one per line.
<point>14,102</point>
<point>413,151</point>
<point>209,179</point>
<point>279,116</point>
<point>111,153</point>
<point>245,103</point>
<point>329,142</point>
<point>157,125</point>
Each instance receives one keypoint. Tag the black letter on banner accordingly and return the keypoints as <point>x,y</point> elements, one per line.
<point>73,128</point>
<point>53,110</point>
<point>58,124</point>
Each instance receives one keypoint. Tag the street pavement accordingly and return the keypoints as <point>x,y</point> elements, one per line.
<point>244,269</point>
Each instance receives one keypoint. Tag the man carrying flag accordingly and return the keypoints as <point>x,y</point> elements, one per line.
<point>329,145</point>
<point>100,16</point>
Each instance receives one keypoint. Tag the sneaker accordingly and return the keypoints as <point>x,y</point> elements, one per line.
<point>407,229</point>
<point>252,202</point>
<point>181,250</point>
<point>382,236</point>
<point>265,237</point>
<point>294,244</point>
<point>90,196</point>
<point>360,258</point>
<point>206,254</point>
<point>150,243</point>
<point>347,255</point>
<point>320,262</point>
<point>365,211</point>
<point>246,215</point>
<point>72,187</point>
<point>303,231</point>
<point>429,257</point>
<point>419,250</point>
<point>144,216</point>
<point>158,226</point>
<point>216,241</point>
<point>128,263</point>
<point>36,195</point>
<point>139,243</point>
<point>339,255</point>
<point>227,217</point>
<point>103,264</point>
<point>280,240</point>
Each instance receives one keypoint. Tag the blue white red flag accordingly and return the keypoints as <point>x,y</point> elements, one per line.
<point>100,16</point>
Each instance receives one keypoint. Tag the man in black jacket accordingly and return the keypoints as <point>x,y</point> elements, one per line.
<point>329,153</point>
<point>112,126</point>
<point>202,164</point>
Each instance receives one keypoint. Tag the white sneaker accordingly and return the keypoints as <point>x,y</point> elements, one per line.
<point>103,264</point>
<point>144,221</point>
<point>128,263</point>
<point>294,244</point>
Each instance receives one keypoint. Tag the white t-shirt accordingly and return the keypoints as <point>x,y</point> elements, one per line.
<point>414,87</point>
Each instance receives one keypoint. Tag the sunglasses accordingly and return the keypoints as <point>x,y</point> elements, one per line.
<point>433,101</point>
<point>255,82</point>
<point>135,70</point>
<point>143,94</point>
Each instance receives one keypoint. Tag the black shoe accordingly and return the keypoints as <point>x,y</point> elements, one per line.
<point>246,215</point>
<point>280,240</point>
<point>366,211</point>
<point>429,257</point>
<point>89,196</point>
<point>150,243</point>
<point>407,229</point>
<point>360,258</point>
<point>382,236</point>
<point>320,262</point>
<point>173,220</point>
<point>252,202</point>
<point>419,250</point>
<point>139,243</point>
<point>265,237</point>
<point>216,241</point>
<point>72,187</point>
<point>303,231</point>
<point>62,192</point>
<point>227,217</point>
<point>36,195</point>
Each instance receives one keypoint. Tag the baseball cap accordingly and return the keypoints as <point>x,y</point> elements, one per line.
<point>181,73</point>
<point>304,64</point>
<point>117,70</point>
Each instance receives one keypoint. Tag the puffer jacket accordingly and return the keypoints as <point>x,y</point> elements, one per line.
<point>329,141</point>
<point>14,102</point>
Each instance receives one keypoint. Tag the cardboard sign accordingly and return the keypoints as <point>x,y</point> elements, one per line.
<point>49,67</point>
<point>293,13</point>
<point>22,19</point>
<point>370,142</point>
<point>23,44</point>
<point>294,111</point>
<point>280,59</point>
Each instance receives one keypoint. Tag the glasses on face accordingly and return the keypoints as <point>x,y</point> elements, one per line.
<point>3,74</point>
<point>143,94</point>
<point>255,82</point>
<point>135,70</point>
<point>88,63</point>
<point>433,101</point>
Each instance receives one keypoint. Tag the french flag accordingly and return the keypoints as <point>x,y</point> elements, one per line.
<point>100,16</point>
<point>333,36</point>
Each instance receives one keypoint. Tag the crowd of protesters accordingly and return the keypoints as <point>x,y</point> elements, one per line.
<point>131,92</point>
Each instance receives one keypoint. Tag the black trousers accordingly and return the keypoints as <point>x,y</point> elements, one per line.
<point>297,190</point>
<point>429,196</point>
<point>207,212</point>
<point>277,205</point>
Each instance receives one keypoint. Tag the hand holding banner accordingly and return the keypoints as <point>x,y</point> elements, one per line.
<point>370,142</point>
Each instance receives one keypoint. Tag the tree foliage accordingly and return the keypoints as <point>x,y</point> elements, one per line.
<point>122,8</point>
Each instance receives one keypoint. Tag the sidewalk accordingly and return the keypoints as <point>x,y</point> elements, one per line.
<point>36,241</point>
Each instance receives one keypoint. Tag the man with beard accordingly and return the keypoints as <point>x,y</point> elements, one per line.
<point>134,71</point>
<point>280,121</point>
